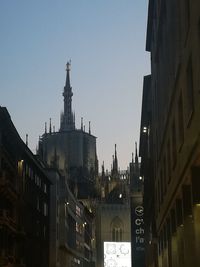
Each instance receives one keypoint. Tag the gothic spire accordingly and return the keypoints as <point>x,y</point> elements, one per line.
<point>89,127</point>
<point>116,160</point>
<point>115,163</point>
<point>115,151</point>
<point>67,120</point>
<point>103,170</point>
<point>136,155</point>
<point>67,83</point>
<point>45,128</point>
<point>50,125</point>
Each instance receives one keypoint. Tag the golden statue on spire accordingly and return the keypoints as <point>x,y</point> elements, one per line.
<point>68,65</point>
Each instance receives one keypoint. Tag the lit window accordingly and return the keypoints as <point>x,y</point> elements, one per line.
<point>45,188</point>
<point>144,129</point>
<point>116,229</point>
<point>45,209</point>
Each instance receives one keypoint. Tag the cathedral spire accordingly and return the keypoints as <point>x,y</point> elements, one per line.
<point>50,125</point>
<point>115,151</point>
<point>45,128</point>
<point>89,127</point>
<point>115,163</point>
<point>116,160</point>
<point>67,83</point>
<point>136,155</point>
<point>67,119</point>
<point>103,170</point>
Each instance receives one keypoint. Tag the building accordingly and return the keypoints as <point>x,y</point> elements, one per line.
<point>137,212</point>
<point>74,149</point>
<point>70,155</point>
<point>113,225</point>
<point>146,150</point>
<point>24,201</point>
<point>71,226</point>
<point>169,136</point>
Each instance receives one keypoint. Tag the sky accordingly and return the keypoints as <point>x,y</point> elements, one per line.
<point>105,41</point>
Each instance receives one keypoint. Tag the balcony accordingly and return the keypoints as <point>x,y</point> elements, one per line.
<point>8,187</point>
<point>7,220</point>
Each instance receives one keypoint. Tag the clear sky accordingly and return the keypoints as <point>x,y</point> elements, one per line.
<point>105,39</point>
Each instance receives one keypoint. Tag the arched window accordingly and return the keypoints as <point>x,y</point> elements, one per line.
<point>116,229</point>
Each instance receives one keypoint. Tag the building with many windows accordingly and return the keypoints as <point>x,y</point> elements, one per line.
<point>71,226</point>
<point>42,223</point>
<point>24,201</point>
<point>170,134</point>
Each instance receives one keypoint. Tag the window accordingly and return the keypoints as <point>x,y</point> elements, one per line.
<point>199,28</point>
<point>36,177</point>
<point>45,231</point>
<point>180,120</point>
<point>45,188</point>
<point>57,207</point>
<point>57,231</point>
<point>38,204</point>
<point>161,187</point>
<point>169,160</point>
<point>27,169</point>
<point>164,174</point>
<point>77,227</point>
<point>189,90</point>
<point>45,209</point>
<point>117,234</point>
<point>158,197</point>
<point>116,230</point>
<point>174,144</point>
<point>156,200</point>
<point>187,15</point>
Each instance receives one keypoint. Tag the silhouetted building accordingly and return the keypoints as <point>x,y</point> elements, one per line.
<point>70,155</point>
<point>71,226</point>
<point>137,212</point>
<point>24,201</point>
<point>169,136</point>
<point>73,150</point>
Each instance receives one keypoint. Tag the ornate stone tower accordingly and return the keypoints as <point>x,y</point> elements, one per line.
<point>67,121</point>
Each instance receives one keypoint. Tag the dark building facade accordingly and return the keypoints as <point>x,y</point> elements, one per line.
<point>137,213</point>
<point>24,201</point>
<point>71,226</point>
<point>169,136</point>
<point>74,150</point>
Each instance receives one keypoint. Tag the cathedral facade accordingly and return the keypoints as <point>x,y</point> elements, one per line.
<point>113,222</point>
<point>70,156</point>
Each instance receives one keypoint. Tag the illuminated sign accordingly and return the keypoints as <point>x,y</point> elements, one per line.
<point>139,228</point>
<point>117,254</point>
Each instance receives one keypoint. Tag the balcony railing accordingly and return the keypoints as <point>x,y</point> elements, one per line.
<point>8,186</point>
<point>7,220</point>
